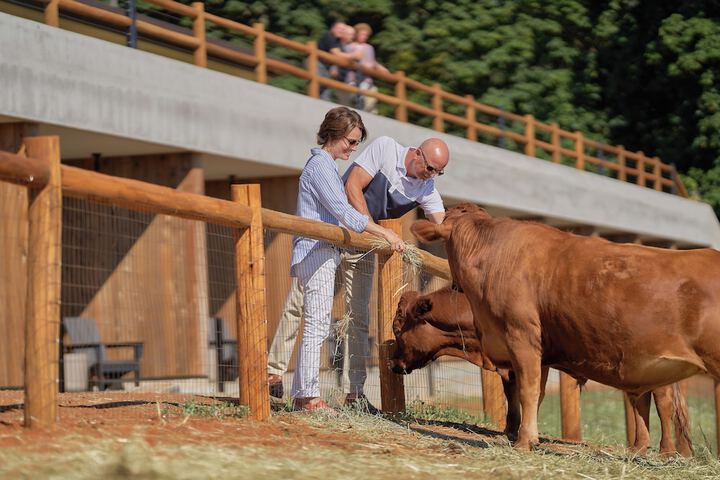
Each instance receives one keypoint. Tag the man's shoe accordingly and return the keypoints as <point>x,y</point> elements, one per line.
<point>275,385</point>
<point>362,404</point>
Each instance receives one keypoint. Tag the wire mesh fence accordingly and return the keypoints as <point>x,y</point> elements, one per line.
<point>149,311</point>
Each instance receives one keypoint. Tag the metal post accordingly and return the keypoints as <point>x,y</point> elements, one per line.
<point>219,350</point>
<point>131,10</point>
<point>601,156</point>
<point>501,126</point>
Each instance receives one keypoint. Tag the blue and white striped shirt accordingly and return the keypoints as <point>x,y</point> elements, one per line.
<point>321,196</point>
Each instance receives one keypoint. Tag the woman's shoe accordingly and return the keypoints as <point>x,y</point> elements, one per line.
<point>312,404</point>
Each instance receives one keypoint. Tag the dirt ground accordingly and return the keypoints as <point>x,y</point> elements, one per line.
<point>160,419</point>
<point>140,435</point>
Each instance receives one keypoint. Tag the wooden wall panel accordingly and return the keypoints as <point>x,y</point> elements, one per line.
<point>142,277</point>
<point>13,263</point>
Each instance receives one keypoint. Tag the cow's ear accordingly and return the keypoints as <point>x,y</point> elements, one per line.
<point>427,231</point>
<point>422,306</point>
<point>406,299</point>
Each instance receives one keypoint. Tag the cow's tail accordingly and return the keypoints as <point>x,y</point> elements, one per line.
<point>682,422</point>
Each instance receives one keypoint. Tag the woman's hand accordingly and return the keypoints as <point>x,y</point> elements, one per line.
<point>396,243</point>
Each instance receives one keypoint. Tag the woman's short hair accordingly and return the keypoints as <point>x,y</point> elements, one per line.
<point>360,27</point>
<point>338,122</point>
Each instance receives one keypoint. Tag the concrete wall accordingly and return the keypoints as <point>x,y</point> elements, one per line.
<point>56,77</point>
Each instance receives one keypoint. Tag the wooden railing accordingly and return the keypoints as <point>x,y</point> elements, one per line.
<point>40,170</point>
<point>480,122</point>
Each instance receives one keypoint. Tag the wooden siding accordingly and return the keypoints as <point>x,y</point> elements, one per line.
<point>141,276</point>
<point>13,264</point>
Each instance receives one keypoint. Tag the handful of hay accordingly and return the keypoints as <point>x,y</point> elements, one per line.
<point>411,254</point>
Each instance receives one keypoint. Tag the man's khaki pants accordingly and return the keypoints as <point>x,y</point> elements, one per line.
<point>356,272</point>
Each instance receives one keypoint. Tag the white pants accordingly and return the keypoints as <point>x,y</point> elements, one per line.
<point>316,275</point>
<point>357,274</point>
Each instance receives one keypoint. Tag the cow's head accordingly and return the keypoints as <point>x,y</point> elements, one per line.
<point>427,231</point>
<point>413,334</point>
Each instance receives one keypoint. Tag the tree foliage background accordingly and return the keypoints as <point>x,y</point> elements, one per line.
<point>641,73</point>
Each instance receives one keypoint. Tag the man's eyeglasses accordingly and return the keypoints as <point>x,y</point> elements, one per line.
<point>352,142</point>
<point>431,170</point>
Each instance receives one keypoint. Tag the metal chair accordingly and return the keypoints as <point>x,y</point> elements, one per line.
<point>225,352</point>
<point>84,337</point>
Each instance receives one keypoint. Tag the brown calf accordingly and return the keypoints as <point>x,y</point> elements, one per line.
<point>429,326</point>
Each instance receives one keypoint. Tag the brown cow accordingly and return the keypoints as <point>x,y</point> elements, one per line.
<point>429,326</point>
<point>629,316</point>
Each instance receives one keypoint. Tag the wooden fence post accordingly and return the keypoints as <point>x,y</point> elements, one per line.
<point>529,136</point>
<point>251,312</point>
<point>579,151</point>
<point>52,13</point>
<point>555,140</point>
<point>657,173</point>
<point>401,95</point>
<point>622,174</point>
<point>313,88</point>
<point>493,395</point>
<point>679,185</point>
<point>200,54</point>
<point>437,105</point>
<point>42,327</point>
<point>570,407</point>
<point>259,45</point>
<point>640,165</point>
<point>390,277</point>
<point>471,118</point>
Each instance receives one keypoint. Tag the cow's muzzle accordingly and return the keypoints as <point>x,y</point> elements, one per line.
<point>399,370</point>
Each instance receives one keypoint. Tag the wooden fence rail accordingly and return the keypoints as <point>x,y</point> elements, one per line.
<point>48,181</point>
<point>532,137</point>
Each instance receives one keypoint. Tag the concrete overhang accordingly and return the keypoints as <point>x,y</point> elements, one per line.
<point>105,98</point>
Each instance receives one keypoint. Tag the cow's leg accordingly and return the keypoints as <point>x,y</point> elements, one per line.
<point>512,420</point>
<point>526,360</point>
<point>681,419</point>
<point>664,406</point>
<point>544,372</point>
<point>641,407</point>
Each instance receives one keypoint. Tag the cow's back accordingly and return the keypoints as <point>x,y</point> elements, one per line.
<point>606,311</point>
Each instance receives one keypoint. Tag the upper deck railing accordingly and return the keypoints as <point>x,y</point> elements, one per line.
<point>407,99</point>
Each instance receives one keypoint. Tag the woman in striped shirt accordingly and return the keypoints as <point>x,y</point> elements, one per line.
<point>321,196</point>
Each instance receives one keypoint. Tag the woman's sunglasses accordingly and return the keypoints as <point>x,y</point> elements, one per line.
<point>353,142</point>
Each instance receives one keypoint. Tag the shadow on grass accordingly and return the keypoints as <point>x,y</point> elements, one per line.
<point>499,436</point>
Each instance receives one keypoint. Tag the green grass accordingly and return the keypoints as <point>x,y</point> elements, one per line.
<point>218,410</point>
<point>429,411</point>
<point>603,419</point>
<point>602,416</point>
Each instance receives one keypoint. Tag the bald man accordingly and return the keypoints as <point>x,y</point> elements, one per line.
<point>386,180</point>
